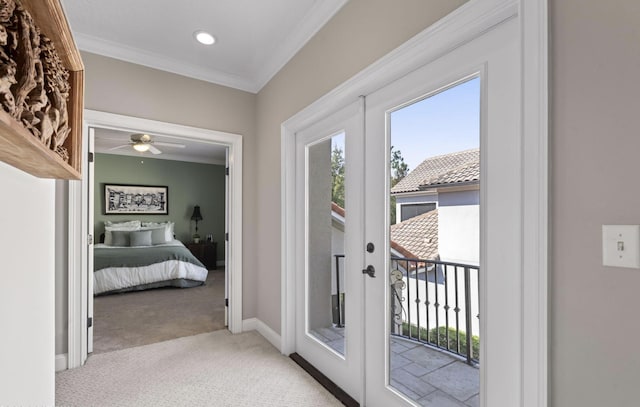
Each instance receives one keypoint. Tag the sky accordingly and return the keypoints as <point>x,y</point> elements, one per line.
<point>443,123</point>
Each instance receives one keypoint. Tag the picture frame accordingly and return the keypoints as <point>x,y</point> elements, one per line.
<point>124,199</point>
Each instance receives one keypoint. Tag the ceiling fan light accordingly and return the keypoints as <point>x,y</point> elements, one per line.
<point>142,147</point>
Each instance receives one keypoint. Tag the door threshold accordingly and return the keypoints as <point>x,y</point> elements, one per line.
<point>333,388</point>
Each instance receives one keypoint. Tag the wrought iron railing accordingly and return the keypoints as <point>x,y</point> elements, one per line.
<point>436,303</point>
<point>433,302</point>
<point>338,298</point>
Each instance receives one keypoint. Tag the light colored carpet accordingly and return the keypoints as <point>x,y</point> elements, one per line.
<point>211,369</point>
<point>143,317</point>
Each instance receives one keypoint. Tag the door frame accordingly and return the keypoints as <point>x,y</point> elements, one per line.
<point>79,230</point>
<point>465,23</point>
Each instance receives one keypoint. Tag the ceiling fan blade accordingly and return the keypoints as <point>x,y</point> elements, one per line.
<point>174,145</point>
<point>154,150</point>
<point>110,139</point>
<point>115,148</point>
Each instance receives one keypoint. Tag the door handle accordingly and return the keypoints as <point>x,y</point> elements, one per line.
<point>370,270</point>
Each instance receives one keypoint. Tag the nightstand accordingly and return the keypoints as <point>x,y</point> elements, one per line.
<point>205,252</point>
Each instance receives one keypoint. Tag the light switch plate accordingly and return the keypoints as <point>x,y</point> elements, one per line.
<point>621,245</point>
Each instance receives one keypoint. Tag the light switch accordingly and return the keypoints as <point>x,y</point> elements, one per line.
<point>621,245</point>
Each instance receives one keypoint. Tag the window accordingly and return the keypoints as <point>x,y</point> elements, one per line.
<point>408,211</point>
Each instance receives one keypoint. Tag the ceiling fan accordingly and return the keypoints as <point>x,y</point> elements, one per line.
<point>144,142</point>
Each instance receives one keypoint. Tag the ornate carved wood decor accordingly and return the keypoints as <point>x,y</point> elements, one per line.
<point>38,88</point>
<point>34,84</point>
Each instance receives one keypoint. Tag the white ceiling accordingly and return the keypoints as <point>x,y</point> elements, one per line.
<point>255,38</point>
<point>194,151</point>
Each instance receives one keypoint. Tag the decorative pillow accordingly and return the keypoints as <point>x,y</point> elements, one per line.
<point>169,231</point>
<point>158,235</point>
<point>124,224</point>
<point>140,238</point>
<point>120,238</point>
<point>169,226</point>
<point>111,226</point>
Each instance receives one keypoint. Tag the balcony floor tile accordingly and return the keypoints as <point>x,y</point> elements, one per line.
<point>439,399</point>
<point>429,376</point>
<point>457,379</point>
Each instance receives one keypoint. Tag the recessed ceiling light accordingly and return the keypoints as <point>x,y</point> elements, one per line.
<point>204,37</point>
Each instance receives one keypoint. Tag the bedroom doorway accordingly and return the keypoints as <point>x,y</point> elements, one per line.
<point>167,312</point>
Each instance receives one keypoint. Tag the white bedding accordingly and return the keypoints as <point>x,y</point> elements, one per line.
<point>116,278</point>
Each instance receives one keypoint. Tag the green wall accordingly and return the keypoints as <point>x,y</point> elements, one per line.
<point>189,184</point>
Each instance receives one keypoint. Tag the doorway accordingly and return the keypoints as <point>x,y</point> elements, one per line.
<point>180,291</point>
<point>493,58</point>
<point>81,290</point>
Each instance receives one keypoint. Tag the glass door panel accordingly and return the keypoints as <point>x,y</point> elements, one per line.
<point>434,246</point>
<point>442,201</point>
<point>329,172</point>
<point>326,220</point>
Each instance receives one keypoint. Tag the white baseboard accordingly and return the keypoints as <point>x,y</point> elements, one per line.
<point>61,362</point>
<point>254,324</point>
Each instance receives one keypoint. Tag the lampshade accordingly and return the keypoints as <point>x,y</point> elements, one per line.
<point>196,213</point>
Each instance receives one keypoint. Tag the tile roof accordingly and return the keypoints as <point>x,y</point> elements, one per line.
<point>447,169</point>
<point>337,209</point>
<point>417,237</point>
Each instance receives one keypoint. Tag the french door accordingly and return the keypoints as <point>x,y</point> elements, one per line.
<point>329,230</point>
<point>344,261</point>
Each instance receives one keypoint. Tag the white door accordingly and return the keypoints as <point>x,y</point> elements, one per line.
<point>227,259</point>
<point>356,353</point>
<point>494,59</point>
<point>90,204</point>
<point>329,224</point>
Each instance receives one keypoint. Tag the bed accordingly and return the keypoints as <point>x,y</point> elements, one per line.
<point>126,263</point>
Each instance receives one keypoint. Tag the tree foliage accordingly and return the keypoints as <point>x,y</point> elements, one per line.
<point>337,175</point>
<point>399,170</point>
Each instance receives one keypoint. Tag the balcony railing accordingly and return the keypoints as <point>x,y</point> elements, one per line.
<point>436,303</point>
<point>432,302</point>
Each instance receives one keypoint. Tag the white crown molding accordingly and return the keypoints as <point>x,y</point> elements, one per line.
<point>268,65</point>
<point>142,57</point>
<point>307,27</point>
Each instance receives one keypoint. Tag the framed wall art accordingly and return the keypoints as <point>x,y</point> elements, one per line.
<point>136,199</point>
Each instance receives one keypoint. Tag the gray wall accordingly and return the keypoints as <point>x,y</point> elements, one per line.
<point>189,184</point>
<point>595,121</point>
